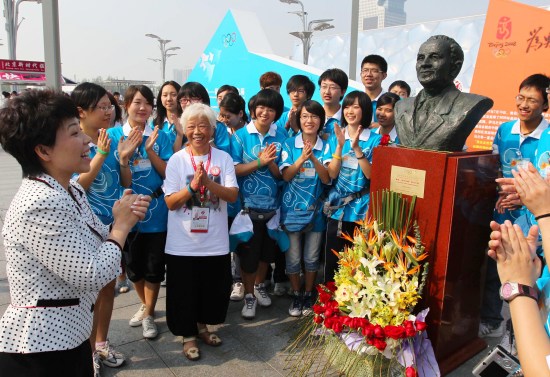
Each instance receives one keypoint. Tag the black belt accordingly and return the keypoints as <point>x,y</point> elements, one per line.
<point>58,302</point>
<point>157,193</point>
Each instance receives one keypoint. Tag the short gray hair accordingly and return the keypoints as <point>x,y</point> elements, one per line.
<point>198,110</point>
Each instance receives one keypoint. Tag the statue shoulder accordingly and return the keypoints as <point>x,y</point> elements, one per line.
<point>404,105</point>
<point>476,101</point>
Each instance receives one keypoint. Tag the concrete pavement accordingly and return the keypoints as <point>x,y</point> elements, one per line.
<point>250,348</point>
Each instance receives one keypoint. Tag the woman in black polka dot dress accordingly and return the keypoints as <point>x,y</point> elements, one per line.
<point>59,254</point>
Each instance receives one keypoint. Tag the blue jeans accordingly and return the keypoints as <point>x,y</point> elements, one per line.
<point>492,304</point>
<point>312,249</point>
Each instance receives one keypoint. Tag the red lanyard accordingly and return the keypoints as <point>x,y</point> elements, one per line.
<point>202,188</point>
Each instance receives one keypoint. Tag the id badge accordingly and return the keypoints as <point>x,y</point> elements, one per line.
<point>307,173</point>
<point>350,162</point>
<point>142,164</point>
<point>199,219</point>
<point>520,163</point>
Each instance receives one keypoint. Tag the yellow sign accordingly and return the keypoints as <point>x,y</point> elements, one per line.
<point>408,181</point>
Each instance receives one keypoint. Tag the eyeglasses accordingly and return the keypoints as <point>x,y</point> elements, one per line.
<point>187,100</point>
<point>106,109</point>
<point>200,127</point>
<point>305,117</point>
<point>374,71</point>
<point>530,101</point>
<point>298,91</point>
<point>331,88</point>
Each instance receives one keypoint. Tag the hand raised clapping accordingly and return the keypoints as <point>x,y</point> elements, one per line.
<point>339,133</point>
<point>307,152</point>
<point>130,209</point>
<point>127,147</point>
<point>514,253</point>
<point>103,141</point>
<point>268,155</point>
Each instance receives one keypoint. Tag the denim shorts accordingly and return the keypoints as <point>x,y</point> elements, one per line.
<point>311,252</point>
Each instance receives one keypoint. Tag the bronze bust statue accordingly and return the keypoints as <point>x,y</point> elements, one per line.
<point>440,117</point>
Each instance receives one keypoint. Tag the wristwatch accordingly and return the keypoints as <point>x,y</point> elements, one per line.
<point>361,157</point>
<point>510,290</point>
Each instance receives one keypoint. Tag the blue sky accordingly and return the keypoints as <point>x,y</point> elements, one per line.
<point>107,37</point>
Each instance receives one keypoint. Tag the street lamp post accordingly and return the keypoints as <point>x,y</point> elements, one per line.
<point>11,14</point>
<point>164,55</point>
<point>308,28</point>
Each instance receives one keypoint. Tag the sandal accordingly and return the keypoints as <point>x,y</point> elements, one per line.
<point>192,353</point>
<point>209,338</point>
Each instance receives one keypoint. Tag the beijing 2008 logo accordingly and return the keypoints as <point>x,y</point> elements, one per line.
<point>229,39</point>
<point>504,28</point>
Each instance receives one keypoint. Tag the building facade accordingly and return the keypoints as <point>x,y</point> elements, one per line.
<point>377,14</point>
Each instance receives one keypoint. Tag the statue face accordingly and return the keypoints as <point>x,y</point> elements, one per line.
<point>434,65</point>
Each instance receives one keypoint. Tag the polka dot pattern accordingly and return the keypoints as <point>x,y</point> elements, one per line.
<point>55,250</point>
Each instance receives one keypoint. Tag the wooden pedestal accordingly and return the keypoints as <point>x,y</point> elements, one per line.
<point>454,215</point>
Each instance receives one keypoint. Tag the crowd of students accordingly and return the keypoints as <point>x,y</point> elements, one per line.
<point>303,172</point>
<point>305,169</point>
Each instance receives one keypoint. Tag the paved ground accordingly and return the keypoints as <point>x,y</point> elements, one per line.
<point>251,348</point>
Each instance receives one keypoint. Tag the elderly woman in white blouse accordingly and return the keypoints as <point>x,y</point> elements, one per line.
<point>200,180</point>
<point>59,254</point>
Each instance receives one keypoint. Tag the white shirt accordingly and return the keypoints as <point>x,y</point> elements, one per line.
<point>393,133</point>
<point>56,249</point>
<point>179,172</point>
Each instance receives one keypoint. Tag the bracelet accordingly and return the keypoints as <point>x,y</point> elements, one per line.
<point>542,216</point>
<point>101,151</point>
<point>336,157</point>
<point>259,163</point>
<point>362,157</point>
<point>190,189</point>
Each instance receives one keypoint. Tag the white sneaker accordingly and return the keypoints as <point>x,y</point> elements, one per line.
<point>295,309</point>
<point>280,289</point>
<point>136,320</point>
<point>261,295</point>
<point>237,292</point>
<point>149,327</point>
<point>109,356</point>
<point>488,331</point>
<point>249,308</point>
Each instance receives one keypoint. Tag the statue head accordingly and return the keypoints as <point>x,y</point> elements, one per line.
<point>438,62</point>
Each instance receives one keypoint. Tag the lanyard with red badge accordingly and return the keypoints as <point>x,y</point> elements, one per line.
<point>200,215</point>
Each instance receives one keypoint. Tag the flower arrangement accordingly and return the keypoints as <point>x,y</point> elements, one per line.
<point>364,319</point>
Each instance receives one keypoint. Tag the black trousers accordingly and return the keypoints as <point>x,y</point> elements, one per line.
<point>197,290</point>
<point>76,362</point>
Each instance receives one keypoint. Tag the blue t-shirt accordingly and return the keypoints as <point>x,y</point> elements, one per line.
<point>259,190</point>
<point>281,124</point>
<point>351,178</point>
<point>328,128</point>
<point>105,189</point>
<point>513,148</point>
<point>145,179</point>
<point>221,137</point>
<point>303,193</point>
<point>169,129</point>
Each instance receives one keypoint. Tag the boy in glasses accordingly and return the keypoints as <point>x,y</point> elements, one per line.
<point>299,89</point>
<point>333,84</point>
<point>374,70</point>
<point>517,142</point>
